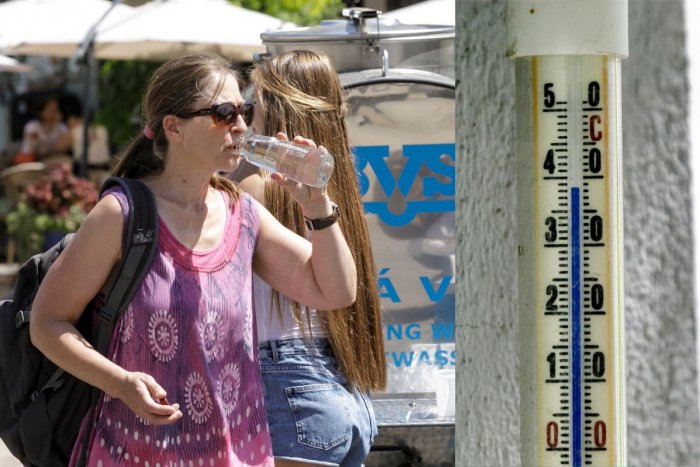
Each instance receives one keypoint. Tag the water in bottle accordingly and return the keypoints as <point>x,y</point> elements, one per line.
<point>304,164</point>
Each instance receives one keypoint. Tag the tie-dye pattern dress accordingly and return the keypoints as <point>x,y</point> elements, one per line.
<point>190,326</point>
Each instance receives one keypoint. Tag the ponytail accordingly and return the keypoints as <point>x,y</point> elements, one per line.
<point>138,160</point>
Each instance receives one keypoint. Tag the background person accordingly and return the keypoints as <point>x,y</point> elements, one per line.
<point>99,155</point>
<point>44,135</point>
<point>182,382</point>
<point>318,366</point>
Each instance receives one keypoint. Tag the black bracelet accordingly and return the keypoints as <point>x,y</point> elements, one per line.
<point>320,224</point>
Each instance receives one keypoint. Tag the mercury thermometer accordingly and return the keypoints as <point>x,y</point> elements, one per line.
<point>568,134</point>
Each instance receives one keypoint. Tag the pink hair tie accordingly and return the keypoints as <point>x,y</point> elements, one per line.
<point>148,132</point>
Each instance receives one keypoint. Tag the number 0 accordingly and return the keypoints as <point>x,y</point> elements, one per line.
<point>598,364</point>
<point>599,434</point>
<point>552,434</point>
<point>593,93</point>
<point>594,163</point>
<point>596,228</point>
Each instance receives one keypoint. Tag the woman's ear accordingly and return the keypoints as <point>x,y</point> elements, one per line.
<point>171,127</point>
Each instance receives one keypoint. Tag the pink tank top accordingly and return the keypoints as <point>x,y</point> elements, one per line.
<point>190,326</point>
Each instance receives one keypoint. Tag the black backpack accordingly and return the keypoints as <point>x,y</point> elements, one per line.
<point>41,406</point>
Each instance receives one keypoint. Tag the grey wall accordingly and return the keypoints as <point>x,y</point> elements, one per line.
<point>661,367</point>
<point>487,430</point>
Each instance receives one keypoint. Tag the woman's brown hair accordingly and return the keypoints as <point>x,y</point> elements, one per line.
<point>171,90</point>
<point>301,95</point>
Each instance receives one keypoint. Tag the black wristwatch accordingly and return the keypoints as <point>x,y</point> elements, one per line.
<point>320,224</point>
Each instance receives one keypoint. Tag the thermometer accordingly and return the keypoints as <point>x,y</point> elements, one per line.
<point>570,241</point>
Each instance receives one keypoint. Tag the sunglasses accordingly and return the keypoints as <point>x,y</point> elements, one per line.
<point>224,114</point>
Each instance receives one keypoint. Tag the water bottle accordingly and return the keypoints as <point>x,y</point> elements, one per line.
<point>305,164</point>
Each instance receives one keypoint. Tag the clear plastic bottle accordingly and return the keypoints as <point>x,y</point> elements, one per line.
<point>304,164</point>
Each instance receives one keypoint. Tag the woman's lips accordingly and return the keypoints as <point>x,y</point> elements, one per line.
<point>236,145</point>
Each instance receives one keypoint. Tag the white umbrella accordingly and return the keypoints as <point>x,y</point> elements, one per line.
<point>52,27</point>
<point>427,12</point>
<point>13,66</point>
<point>159,30</point>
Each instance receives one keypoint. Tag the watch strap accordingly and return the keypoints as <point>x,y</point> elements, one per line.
<point>320,224</point>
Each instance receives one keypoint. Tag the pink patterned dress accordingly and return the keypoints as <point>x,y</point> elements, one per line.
<point>190,326</point>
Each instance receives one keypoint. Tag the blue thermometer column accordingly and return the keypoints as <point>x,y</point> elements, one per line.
<point>570,236</point>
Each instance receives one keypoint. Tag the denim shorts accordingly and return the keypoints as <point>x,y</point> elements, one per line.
<point>315,417</point>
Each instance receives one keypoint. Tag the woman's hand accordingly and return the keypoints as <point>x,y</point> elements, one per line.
<point>314,201</point>
<point>146,399</point>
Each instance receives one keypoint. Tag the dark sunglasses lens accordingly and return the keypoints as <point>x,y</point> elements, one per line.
<point>248,112</point>
<point>224,114</point>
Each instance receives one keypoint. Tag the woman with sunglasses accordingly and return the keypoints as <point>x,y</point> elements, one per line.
<point>318,366</point>
<point>182,383</point>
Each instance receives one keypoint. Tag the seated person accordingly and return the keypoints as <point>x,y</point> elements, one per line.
<point>99,155</point>
<point>45,135</point>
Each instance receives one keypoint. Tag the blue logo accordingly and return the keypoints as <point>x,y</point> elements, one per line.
<point>429,165</point>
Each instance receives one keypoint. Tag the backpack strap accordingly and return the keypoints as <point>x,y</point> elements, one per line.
<point>139,249</point>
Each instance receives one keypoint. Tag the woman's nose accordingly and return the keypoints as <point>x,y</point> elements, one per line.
<point>239,123</point>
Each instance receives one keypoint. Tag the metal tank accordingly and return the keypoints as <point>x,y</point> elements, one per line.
<point>367,41</point>
<point>400,89</point>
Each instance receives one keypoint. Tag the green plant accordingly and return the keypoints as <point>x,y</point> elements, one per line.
<point>299,12</point>
<point>58,201</point>
<point>122,84</point>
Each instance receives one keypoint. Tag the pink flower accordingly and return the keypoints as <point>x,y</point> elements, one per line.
<point>57,191</point>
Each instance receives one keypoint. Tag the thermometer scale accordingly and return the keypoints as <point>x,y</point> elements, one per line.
<point>570,245</point>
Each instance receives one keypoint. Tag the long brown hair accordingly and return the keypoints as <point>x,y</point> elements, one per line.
<point>172,89</point>
<point>302,95</point>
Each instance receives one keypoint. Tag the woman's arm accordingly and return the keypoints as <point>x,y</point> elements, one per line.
<point>73,280</point>
<point>320,274</point>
